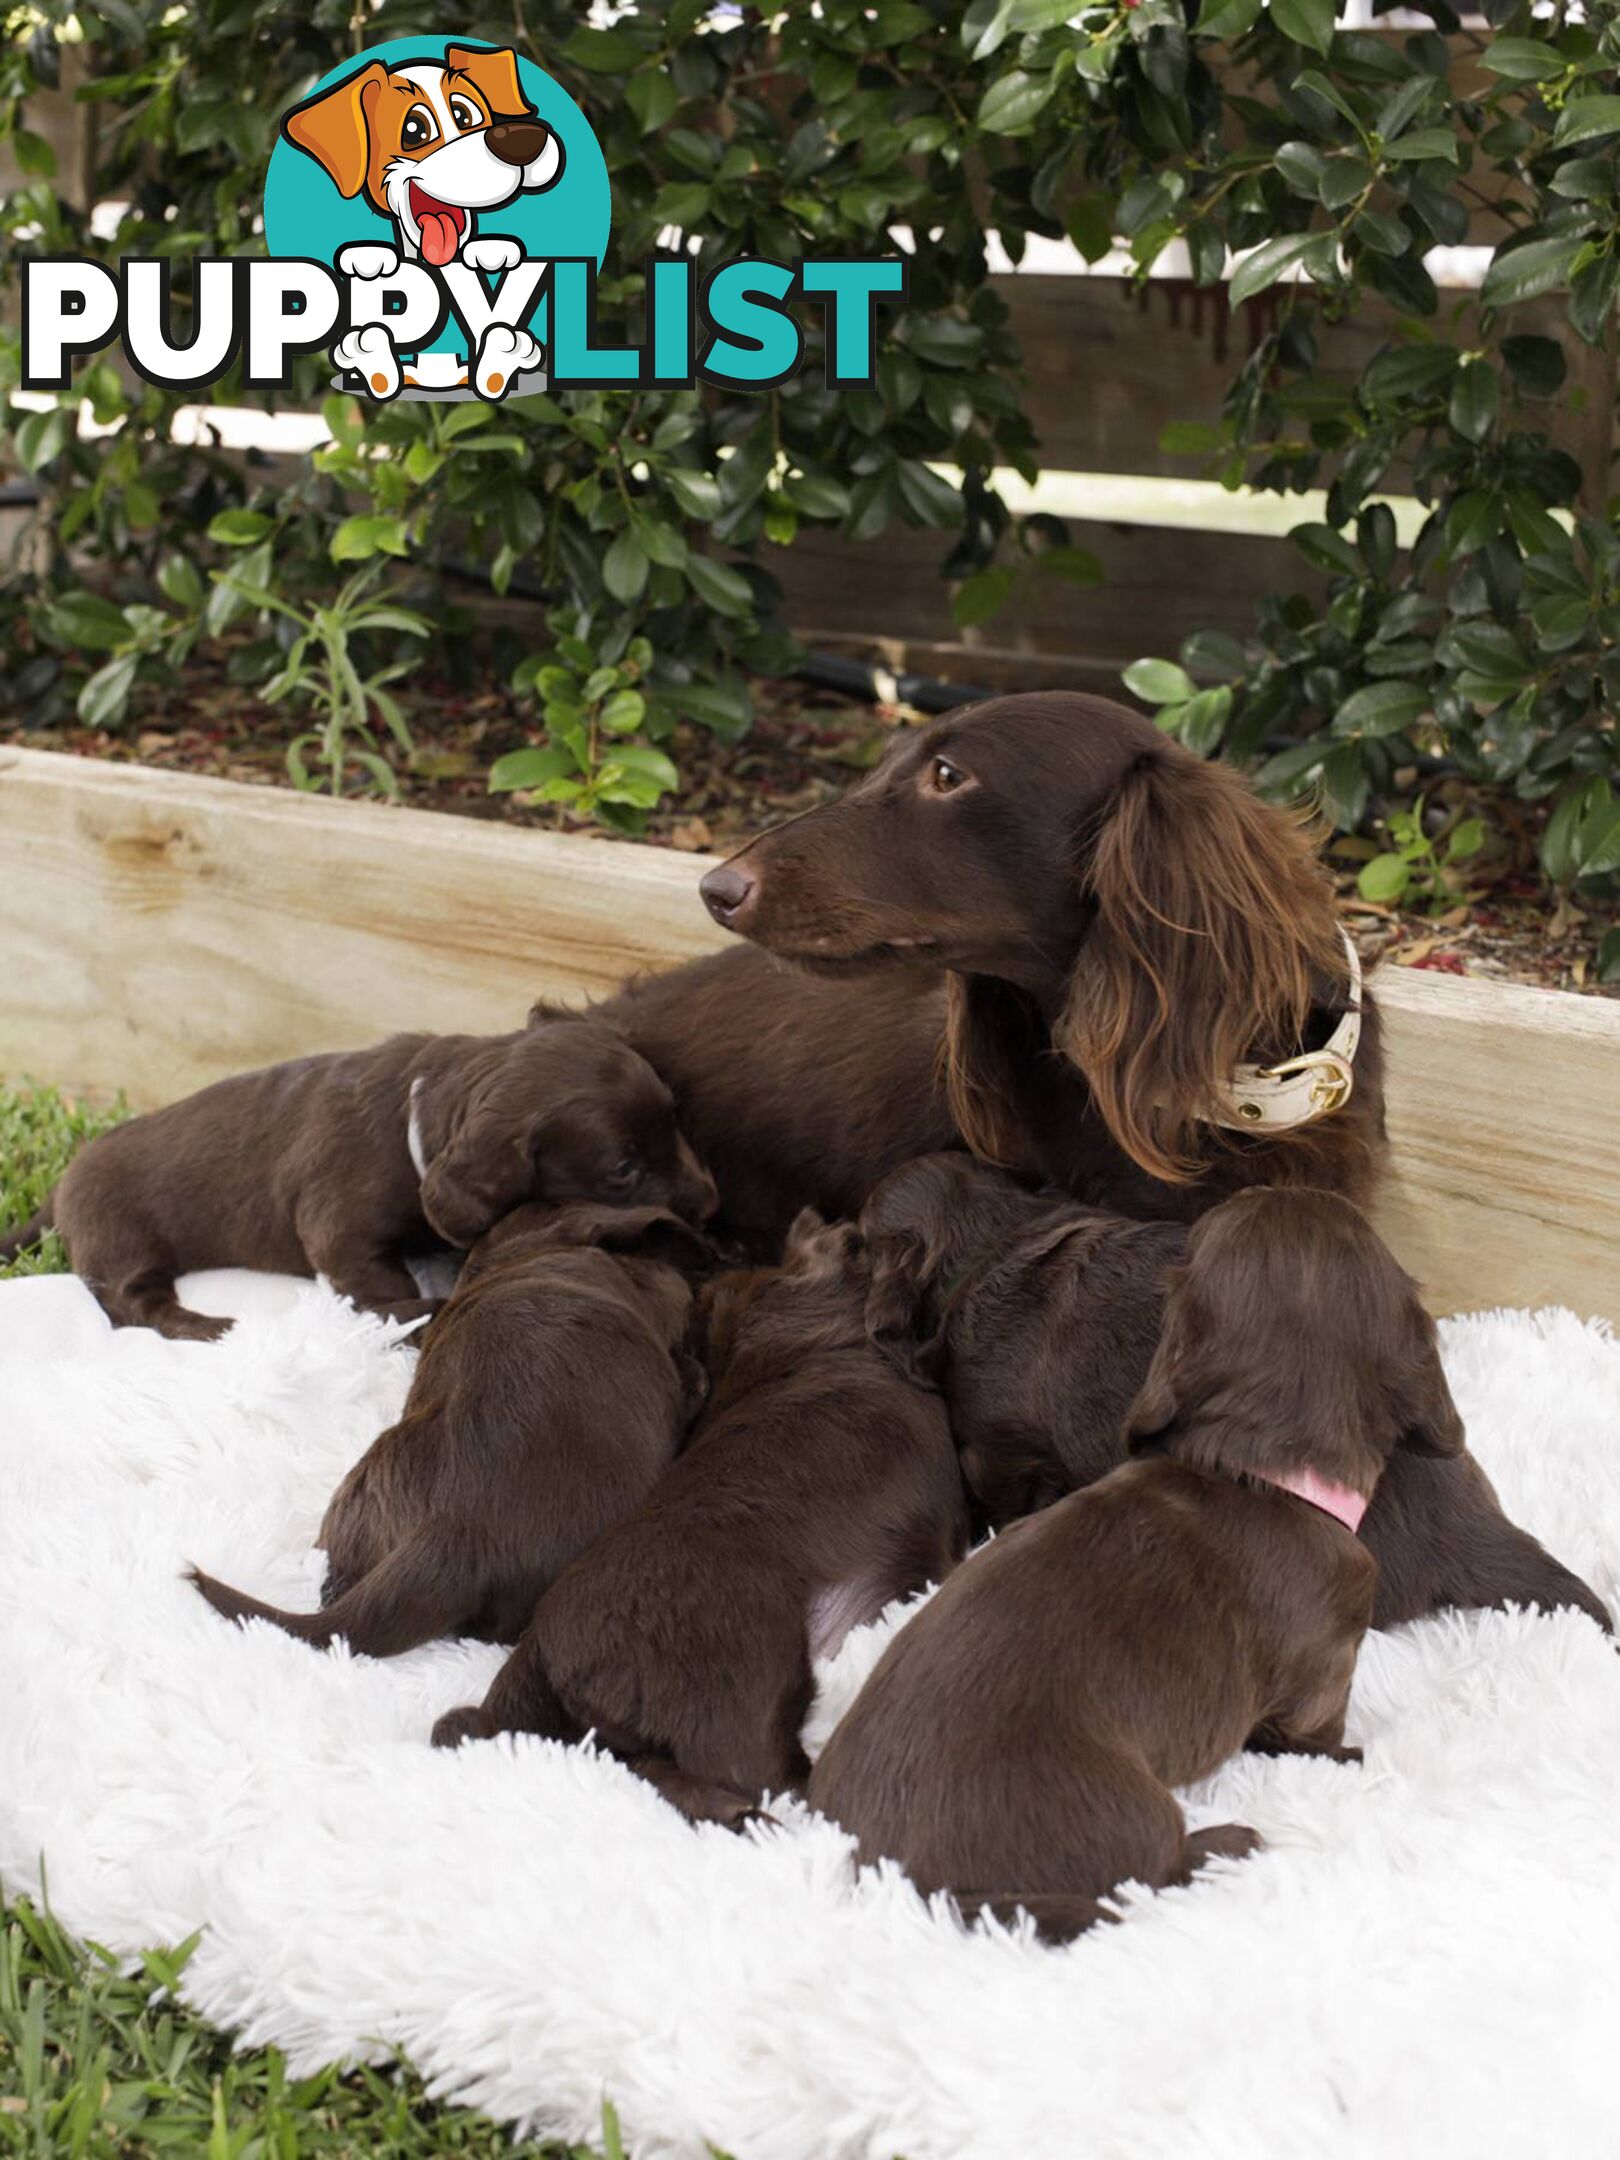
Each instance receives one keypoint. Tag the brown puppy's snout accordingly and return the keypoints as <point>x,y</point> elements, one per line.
<point>517,142</point>
<point>727,892</point>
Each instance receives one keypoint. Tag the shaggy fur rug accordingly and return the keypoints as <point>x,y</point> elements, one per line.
<point>1424,1960</point>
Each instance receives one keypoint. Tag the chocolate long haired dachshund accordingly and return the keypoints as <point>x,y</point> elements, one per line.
<point>1126,933</point>
<point>1017,1743</point>
<point>1040,1320</point>
<point>819,1485</point>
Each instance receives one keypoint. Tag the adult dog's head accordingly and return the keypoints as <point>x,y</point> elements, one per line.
<point>1168,924</point>
<point>430,143</point>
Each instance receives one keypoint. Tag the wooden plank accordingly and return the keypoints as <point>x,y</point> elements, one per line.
<point>1163,582</point>
<point>158,931</point>
<point>1506,1149</point>
<point>1109,364</point>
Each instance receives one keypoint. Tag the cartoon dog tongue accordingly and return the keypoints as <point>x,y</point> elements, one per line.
<point>440,231</point>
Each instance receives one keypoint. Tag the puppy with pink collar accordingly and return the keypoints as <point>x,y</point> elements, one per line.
<point>1019,1742</point>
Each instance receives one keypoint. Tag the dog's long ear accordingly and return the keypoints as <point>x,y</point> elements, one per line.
<point>1214,928</point>
<point>478,1173</point>
<point>991,1034</point>
<point>898,1303</point>
<point>1430,1423</point>
<point>494,75</point>
<point>1160,1397</point>
<point>335,128</point>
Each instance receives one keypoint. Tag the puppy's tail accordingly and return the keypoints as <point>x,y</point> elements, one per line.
<point>1058,1917</point>
<point>13,1242</point>
<point>409,1598</point>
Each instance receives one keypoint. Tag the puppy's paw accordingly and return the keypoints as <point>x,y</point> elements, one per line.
<point>492,254</point>
<point>1223,1841</point>
<point>369,353</point>
<point>503,356</point>
<point>469,1723</point>
<point>367,259</point>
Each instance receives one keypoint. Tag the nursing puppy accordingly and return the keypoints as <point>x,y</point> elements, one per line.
<point>338,1165</point>
<point>1017,1743</point>
<point>1036,1316</point>
<point>819,1485</point>
<point>551,1394</point>
<point>1039,1320</point>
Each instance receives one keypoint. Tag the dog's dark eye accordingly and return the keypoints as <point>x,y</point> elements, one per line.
<point>624,1172</point>
<point>944,777</point>
<point>465,114</point>
<point>418,128</point>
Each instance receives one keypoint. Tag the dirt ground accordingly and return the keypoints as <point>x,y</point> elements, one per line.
<point>806,746</point>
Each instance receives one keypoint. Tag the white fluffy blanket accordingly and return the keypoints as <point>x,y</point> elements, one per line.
<point>1425,1959</point>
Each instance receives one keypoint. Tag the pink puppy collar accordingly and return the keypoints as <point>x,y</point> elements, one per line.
<point>1342,1502</point>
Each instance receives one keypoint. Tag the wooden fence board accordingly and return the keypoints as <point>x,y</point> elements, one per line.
<point>1110,364</point>
<point>158,931</point>
<point>1162,583</point>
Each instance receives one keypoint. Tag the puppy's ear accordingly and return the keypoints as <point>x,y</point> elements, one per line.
<point>1430,1423</point>
<point>1213,928</point>
<point>897,1304</point>
<point>803,1228</point>
<point>335,128</point>
<point>1159,1400</point>
<point>479,1174</point>
<point>494,75</point>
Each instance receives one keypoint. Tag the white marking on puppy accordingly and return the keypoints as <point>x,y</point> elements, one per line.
<point>413,1130</point>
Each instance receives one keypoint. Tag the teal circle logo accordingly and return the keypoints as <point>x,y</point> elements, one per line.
<point>448,155</point>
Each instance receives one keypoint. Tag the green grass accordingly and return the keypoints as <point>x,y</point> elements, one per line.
<point>97,2063</point>
<point>39,1131</point>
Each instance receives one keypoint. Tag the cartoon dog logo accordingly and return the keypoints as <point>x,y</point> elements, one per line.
<point>430,144</point>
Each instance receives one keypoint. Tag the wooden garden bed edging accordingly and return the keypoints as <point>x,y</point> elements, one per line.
<point>158,931</point>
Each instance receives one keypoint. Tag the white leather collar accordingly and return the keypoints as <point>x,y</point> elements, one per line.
<point>1299,1090</point>
<point>413,1130</point>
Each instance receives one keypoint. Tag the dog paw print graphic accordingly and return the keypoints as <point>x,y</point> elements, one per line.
<point>440,179</point>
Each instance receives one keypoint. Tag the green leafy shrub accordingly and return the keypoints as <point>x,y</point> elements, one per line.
<point>1495,640</point>
<point>1335,156</point>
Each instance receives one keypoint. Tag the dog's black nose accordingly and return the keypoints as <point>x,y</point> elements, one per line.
<point>725,891</point>
<point>517,142</point>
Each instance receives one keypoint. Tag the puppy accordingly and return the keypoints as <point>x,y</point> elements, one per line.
<point>431,144</point>
<point>336,1165</point>
<point>1039,1319</point>
<point>512,1455</point>
<point>1017,1743</point>
<point>819,1485</point>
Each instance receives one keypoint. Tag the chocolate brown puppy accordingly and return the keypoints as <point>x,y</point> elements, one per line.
<point>1039,1320</point>
<point>335,1165</point>
<point>551,1394</point>
<point>819,1485</point>
<point>1017,1743</point>
<point>1037,1317</point>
